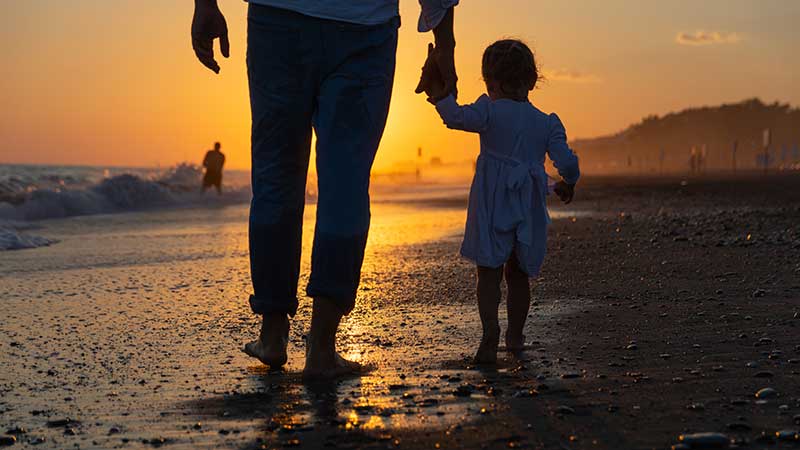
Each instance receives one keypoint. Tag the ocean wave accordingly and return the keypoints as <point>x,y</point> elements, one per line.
<point>12,237</point>
<point>179,186</point>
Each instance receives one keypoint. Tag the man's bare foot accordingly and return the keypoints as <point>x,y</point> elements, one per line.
<point>326,367</point>
<point>322,360</point>
<point>515,343</point>
<point>270,347</point>
<point>487,351</point>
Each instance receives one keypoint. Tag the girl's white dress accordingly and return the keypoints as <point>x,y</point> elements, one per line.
<point>507,208</point>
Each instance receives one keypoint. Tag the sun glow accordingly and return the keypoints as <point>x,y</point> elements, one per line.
<point>116,83</point>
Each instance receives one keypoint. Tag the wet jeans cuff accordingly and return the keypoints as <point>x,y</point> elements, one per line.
<point>272,306</point>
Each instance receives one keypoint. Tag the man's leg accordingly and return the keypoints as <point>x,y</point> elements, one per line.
<point>353,104</point>
<point>281,75</point>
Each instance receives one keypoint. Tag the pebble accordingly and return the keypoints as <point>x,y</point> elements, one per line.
<point>61,423</point>
<point>427,403</point>
<point>766,393</point>
<point>739,426</point>
<point>464,390</point>
<point>705,440</point>
<point>563,409</point>
<point>788,435</point>
<point>764,374</point>
<point>765,438</point>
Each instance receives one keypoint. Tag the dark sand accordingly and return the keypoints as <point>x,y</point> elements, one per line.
<point>661,314</point>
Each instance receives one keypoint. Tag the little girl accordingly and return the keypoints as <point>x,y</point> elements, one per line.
<point>507,219</point>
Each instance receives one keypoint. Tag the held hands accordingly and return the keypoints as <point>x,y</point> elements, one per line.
<point>564,191</point>
<point>431,81</point>
<point>209,24</point>
<point>438,79</point>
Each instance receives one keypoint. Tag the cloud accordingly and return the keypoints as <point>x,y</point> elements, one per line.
<point>701,37</point>
<point>571,76</point>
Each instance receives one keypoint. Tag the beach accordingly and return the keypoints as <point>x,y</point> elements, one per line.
<point>663,307</point>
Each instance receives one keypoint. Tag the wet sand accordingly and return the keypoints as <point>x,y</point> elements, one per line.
<point>656,315</point>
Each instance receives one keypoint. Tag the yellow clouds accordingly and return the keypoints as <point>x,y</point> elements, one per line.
<point>701,37</point>
<point>571,76</point>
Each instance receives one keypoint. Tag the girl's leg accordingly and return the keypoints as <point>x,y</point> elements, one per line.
<point>519,302</point>
<point>488,302</point>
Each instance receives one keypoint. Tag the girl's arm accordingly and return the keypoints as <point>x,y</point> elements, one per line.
<point>473,117</point>
<point>564,159</point>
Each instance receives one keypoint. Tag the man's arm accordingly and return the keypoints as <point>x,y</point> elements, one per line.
<point>437,15</point>
<point>208,24</point>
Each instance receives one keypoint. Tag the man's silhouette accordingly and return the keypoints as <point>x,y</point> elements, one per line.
<point>213,163</point>
<point>327,66</point>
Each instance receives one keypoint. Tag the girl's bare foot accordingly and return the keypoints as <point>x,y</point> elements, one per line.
<point>487,351</point>
<point>270,347</point>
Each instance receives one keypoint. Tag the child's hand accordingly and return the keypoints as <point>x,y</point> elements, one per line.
<point>564,191</point>
<point>434,86</point>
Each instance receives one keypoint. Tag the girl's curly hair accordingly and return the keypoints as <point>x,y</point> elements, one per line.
<point>509,65</point>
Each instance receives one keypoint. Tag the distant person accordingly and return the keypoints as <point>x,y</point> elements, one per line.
<point>694,159</point>
<point>507,218</point>
<point>213,163</point>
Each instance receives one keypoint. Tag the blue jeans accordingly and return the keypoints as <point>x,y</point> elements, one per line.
<point>336,78</point>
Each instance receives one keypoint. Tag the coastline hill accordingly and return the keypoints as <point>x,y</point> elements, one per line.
<point>664,143</point>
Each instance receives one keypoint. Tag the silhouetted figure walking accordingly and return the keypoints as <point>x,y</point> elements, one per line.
<point>326,66</point>
<point>213,163</point>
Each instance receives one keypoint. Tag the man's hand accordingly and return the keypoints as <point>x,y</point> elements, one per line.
<point>440,64</point>
<point>434,86</point>
<point>564,191</point>
<point>209,24</point>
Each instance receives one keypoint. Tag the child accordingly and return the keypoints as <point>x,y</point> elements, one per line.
<point>507,219</point>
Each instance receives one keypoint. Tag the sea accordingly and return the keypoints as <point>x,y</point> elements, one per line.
<point>40,205</point>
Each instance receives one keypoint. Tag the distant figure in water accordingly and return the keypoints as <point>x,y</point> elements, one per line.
<point>213,163</point>
<point>507,218</point>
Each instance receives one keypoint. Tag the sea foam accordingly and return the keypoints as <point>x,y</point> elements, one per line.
<point>49,197</point>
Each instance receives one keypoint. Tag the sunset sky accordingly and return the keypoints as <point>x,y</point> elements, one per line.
<point>116,82</point>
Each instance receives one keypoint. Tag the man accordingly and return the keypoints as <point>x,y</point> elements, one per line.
<point>213,163</point>
<point>327,65</point>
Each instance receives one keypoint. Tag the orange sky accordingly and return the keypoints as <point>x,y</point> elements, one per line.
<point>116,83</point>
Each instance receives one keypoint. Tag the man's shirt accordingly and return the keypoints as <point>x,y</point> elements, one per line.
<point>364,12</point>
